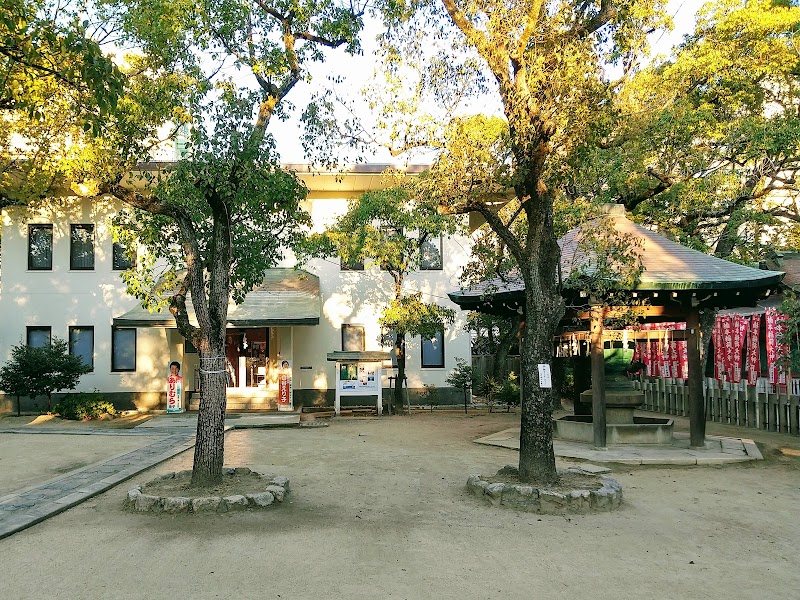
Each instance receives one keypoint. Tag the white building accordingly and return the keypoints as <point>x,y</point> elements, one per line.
<point>61,277</point>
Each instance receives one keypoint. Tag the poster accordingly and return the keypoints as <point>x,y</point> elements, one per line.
<point>174,389</point>
<point>285,386</point>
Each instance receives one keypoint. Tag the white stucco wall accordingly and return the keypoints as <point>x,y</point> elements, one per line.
<point>61,297</point>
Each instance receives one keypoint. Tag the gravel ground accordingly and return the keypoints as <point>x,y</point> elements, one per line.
<point>378,510</point>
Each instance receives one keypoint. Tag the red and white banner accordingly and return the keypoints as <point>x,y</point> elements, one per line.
<point>753,364</point>
<point>285,386</point>
<point>775,350</point>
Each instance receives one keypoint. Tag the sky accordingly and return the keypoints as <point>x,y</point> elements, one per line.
<point>358,69</point>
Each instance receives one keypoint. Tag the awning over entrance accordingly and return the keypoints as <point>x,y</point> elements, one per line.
<point>286,297</point>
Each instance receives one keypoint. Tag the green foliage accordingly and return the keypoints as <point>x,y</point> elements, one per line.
<point>461,376</point>
<point>509,393</point>
<point>791,334</point>
<point>83,407</point>
<point>41,371</point>
<point>705,145</point>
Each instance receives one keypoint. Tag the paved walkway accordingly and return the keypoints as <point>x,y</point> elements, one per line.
<point>172,435</point>
<point>31,505</point>
<point>718,450</point>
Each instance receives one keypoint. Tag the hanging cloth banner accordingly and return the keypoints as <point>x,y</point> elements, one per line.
<point>739,326</point>
<point>775,350</point>
<point>753,364</point>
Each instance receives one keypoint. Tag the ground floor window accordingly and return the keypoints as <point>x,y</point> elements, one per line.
<point>353,338</point>
<point>433,351</point>
<point>37,336</point>
<point>123,349</point>
<point>81,343</point>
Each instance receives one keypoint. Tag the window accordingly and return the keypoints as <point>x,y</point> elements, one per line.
<point>433,351</point>
<point>40,247</point>
<point>431,254</point>
<point>388,340</point>
<point>81,343</point>
<point>123,349</point>
<point>81,247</point>
<point>123,259</point>
<point>392,255</point>
<point>354,265</point>
<point>353,338</point>
<point>38,337</point>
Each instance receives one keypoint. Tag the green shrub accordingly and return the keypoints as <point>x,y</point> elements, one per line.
<point>509,391</point>
<point>83,406</point>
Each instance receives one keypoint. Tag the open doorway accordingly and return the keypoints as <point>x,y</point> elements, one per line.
<point>247,354</point>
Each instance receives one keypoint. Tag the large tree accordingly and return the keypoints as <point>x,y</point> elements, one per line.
<point>705,144</point>
<point>224,215</point>
<point>548,61</point>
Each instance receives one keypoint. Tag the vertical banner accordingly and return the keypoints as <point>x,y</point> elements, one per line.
<point>753,364</point>
<point>174,389</point>
<point>775,350</point>
<point>739,330</point>
<point>285,386</point>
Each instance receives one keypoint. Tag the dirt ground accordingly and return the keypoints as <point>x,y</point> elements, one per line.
<point>378,510</point>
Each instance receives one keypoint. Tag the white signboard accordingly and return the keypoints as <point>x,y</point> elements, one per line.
<point>359,378</point>
<point>545,378</point>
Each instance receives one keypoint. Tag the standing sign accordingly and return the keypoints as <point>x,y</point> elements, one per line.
<point>285,386</point>
<point>174,394</point>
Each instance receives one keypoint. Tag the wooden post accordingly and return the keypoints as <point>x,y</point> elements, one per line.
<point>598,378</point>
<point>697,412</point>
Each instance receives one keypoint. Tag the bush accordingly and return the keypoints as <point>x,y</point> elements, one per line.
<point>81,407</point>
<point>509,392</point>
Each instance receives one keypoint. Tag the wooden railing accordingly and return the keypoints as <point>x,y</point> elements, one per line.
<point>761,406</point>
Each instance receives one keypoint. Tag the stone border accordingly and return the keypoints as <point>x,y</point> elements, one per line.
<point>528,498</point>
<point>275,491</point>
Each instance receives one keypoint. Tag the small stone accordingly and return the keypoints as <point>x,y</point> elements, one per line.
<point>281,481</point>
<point>228,470</point>
<point>261,499</point>
<point>176,504</point>
<point>236,502</point>
<point>552,502</point>
<point>147,503</point>
<point>222,507</point>
<point>133,494</point>
<point>476,485</point>
<point>205,504</point>
<point>242,471</point>
<point>276,491</point>
<point>508,470</point>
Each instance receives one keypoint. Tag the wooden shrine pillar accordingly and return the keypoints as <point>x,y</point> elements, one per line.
<point>598,378</point>
<point>697,409</point>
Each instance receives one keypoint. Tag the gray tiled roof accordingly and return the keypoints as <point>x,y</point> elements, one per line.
<point>286,297</point>
<point>667,266</point>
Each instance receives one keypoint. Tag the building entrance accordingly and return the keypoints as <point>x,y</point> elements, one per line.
<point>247,354</point>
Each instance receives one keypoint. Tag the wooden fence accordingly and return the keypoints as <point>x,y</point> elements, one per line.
<point>483,364</point>
<point>759,406</point>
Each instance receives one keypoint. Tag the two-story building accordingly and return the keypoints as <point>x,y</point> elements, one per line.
<point>61,277</point>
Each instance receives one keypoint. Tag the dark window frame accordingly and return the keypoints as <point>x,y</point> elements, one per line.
<point>43,227</point>
<point>114,330</point>
<point>439,365</point>
<point>88,328</point>
<point>354,327</point>
<point>31,328</point>
<point>73,228</point>
<point>119,258</point>
<point>351,266</point>
<point>431,240</point>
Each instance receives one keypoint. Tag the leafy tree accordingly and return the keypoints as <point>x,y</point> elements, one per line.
<point>394,229</point>
<point>706,144</point>
<point>461,378</point>
<point>547,60</point>
<point>40,371</point>
<point>224,216</point>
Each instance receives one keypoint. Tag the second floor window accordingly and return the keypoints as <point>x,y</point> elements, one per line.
<point>40,247</point>
<point>81,248</point>
<point>123,259</point>
<point>431,254</point>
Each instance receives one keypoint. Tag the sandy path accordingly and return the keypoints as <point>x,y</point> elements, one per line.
<point>378,510</point>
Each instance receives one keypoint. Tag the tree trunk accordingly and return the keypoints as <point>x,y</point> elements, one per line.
<point>543,309</point>
<point>400,353</point>
<point>209,449</point>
